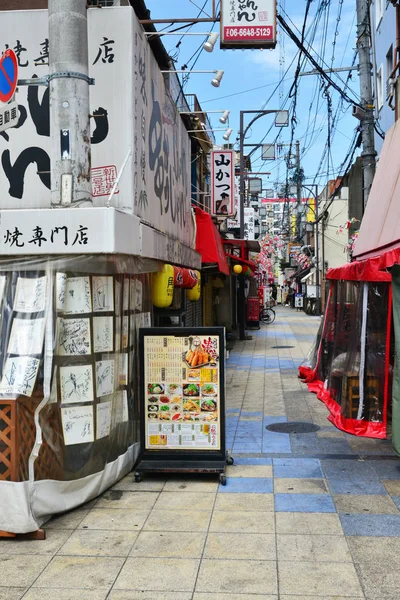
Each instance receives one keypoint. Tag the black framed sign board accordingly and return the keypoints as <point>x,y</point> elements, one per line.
<point>182,400</point>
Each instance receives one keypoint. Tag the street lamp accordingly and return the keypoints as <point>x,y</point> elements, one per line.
<point>281,120</point>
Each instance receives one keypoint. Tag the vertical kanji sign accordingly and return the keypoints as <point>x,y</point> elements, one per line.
<point>222,182</point>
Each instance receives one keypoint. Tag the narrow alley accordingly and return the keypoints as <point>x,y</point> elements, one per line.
<point>303,516</point>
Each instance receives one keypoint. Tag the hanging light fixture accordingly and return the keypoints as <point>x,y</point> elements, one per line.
<point>208,46</point>
<point>227,134</point>
<point>217,79</point>
<point>223,119</point>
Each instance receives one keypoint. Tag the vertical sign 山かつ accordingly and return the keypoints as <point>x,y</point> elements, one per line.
<point>182,392</point>
<point>248,23</point>
<point>222,182</point>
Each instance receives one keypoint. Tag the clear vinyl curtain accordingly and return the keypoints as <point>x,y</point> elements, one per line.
<point>68,361</point>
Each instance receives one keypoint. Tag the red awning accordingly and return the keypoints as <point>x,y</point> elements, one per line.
<point>380,227</point>
<point>360,270</point>
<point>209,242</point>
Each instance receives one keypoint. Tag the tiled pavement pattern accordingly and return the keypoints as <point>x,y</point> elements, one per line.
<point>302,517</point>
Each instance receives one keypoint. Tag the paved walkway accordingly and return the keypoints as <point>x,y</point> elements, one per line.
<point>302,517</point>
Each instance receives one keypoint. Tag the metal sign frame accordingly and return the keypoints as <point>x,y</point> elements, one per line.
<point>182,460</point>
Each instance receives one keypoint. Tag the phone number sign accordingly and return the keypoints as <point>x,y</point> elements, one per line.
<point>248,23</point>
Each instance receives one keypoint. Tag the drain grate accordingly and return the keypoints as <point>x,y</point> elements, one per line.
<point>278,347</point>
<point>292,427</point>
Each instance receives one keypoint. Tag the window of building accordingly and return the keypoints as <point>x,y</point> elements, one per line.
<point>379,88</point>
<point>389,69</point>
<point>379,10</point>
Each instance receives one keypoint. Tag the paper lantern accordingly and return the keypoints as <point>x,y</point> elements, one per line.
<point>238,269</point>
<point>185,278</point>
<point>248,271</point>
<point>163,287</point>
<point>194,293</point>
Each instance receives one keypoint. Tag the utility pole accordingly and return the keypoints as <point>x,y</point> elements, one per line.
<point>368,120</point>
<point>298,185</point>
<point>69,104</point>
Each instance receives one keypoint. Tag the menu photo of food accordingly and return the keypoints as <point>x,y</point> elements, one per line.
<point>202,352</point>
<point>155,388</point>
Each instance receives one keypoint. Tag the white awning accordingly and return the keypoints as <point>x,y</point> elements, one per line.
<point>307,276</point>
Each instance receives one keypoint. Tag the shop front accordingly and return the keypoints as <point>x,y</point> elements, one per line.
<point>77,284</point>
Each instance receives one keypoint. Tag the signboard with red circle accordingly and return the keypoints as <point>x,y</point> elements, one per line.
<point>8,75</point>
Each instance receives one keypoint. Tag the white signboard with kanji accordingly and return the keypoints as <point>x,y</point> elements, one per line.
<point>248,23</point>
<point>222,182</point>
<point>234,221</point>
<point>134,120</point>
<point>249,224</point>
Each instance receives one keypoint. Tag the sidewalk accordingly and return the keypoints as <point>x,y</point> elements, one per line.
<point>311,516</point>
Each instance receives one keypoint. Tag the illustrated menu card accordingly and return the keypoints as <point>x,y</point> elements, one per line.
<point>182,395</point>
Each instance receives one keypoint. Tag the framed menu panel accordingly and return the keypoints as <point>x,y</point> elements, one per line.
<point>183,393</point>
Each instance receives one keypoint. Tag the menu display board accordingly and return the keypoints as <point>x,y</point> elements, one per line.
<point>183,389</point>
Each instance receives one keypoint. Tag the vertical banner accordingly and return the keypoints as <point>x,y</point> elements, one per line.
<point>248,24</point>
<point>234,222</point>
<point>222,182</point>
<point>249,224</point>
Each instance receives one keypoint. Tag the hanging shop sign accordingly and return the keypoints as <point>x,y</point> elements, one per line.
<point>182,398</point>
<point>222,182</point>
<point>253,309</point>
<point>234,221</point>
<point>248,24</point>
<point>131,129</point>
<point>249,224</point>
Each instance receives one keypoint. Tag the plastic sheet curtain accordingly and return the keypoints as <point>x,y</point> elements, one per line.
<point>350,365</point>
<point>68,385</point>
<point>396,378</point>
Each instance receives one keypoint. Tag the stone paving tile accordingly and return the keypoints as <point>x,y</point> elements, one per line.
<point>55,538</point>
<point>141,595</point>
<point>307,468</point>
<point>308,523</point>
<point>115,519</point>
<point>300,486</point>
<point>123,499</point>
<point>69,520</point>
<point>365,504</point>
<point>257,470</point>
<point>182,520</point>
<point>151,483</point>
<point>65,594</point>
<point>255,485</point>
<point>191,485</point>
<point>379,581</point>
<point>12,593</point>
<point>392,487</point>
<point>348,486</point>
<point>370,550</point>
<point>245,502</point>
<point>314,548</point>
<point>318,579</point>
<point>229,576</point>
<point>169,544</point>
<point>207,596</point>
<point>179,501</point>
<point>242,522</point>
<point>158,574</point>
<point>95,542</point>
<point>21,569</point>
<point>242,546</point>
<point>80,573</point>
<point>371,525</point>
<point>308,503</point>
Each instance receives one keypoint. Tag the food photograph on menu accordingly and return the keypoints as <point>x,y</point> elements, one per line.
<point>182,392</point>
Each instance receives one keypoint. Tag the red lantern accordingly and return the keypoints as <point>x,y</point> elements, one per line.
<point>185,278</point>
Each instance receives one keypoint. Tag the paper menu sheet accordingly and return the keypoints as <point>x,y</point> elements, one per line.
<point>182,404</point>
